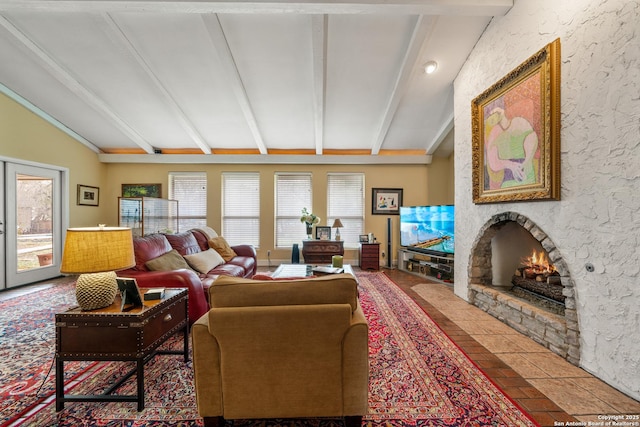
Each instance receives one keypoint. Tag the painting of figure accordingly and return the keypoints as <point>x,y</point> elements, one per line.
<point>512,126</point>
<point>516,133</point>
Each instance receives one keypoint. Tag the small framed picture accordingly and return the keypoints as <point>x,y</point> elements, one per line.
<point>88,196</point>
<point>129,293</point>
<point>323,233</point>
<point>364,238</point>
<point>386,201</point>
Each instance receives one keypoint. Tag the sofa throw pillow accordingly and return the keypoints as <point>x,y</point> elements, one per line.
<point>204,261</point>
<point>222,247</point>
<point>172,260</point>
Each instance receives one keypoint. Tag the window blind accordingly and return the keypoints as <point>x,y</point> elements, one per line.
<point>241,208</point>
<point>345,200</point>
<point>293,193</point>
<point>190,190</point>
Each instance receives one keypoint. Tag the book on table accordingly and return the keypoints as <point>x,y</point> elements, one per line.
<point>327,269</point>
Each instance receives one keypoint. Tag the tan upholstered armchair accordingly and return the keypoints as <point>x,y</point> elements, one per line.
<point>282,349</point>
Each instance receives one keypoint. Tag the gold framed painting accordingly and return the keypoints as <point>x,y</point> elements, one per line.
<point>516,133</point>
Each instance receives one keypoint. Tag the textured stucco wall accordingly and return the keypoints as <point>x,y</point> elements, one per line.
<point>598,219</point>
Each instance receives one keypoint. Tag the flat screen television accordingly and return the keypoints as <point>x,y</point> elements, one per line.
<point>427,229</point>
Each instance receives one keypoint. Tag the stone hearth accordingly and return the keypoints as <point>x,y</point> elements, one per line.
<point>558,333</point>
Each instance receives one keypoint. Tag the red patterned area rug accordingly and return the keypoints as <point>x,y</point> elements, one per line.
<point>418,376</point>
<point>28,332</point>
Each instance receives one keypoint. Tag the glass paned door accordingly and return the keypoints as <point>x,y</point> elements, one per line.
<point>33,230</point>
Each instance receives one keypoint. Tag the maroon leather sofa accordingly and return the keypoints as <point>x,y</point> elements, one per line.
<point>153,246</point>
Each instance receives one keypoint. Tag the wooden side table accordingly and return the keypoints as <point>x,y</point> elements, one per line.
<point>110,334</point>
<point>370,256</point>
<point>321,251</point>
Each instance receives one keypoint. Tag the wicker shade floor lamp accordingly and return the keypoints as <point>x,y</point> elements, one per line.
<point>96,253</point>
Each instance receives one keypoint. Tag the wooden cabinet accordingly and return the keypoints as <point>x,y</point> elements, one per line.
<point>321,251</point>
<point>370,256</point>
<point>111,334</point>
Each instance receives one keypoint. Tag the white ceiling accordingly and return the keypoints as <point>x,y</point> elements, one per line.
<point>218,78</point>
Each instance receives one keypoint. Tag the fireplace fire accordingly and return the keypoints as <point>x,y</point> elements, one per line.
<point>538,281</point>
<point>537,266</point>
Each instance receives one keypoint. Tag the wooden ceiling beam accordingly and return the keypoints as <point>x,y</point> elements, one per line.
<point>319,52</point>
<point>74,86</point>
<point>290,158</point>
<point>170,101</point>
<point>424,25</point>
<point>219,40</point>
<point>413,7</point>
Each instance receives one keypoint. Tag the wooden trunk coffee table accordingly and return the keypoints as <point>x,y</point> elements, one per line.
<point>109,334</point>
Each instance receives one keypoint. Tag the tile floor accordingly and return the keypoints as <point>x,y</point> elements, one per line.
<point>548,387</point>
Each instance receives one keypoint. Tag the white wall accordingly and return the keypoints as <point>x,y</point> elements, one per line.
<point>598,219</point>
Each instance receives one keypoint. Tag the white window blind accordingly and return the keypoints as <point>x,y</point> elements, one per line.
<point>345,200</point>
<point>293,193</point>
<point>241,208</point>
<point>190,190</point>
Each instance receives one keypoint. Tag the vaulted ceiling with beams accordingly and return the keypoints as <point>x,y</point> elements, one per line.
<point>199,81</point>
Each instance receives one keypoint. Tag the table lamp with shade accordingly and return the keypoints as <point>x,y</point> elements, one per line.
<point>96,253</point>
<point>337,224</point>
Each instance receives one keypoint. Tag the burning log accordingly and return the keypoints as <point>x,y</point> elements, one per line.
<point>538,276</point>
<point>552,277</point>
<point>536,267</point>
<point>549,290</point>
<point>555,279</point>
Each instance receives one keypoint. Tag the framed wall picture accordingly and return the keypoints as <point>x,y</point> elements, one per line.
<point>323,233</point>
<point>88,196</point>
<point>142,190</point>
<point>516,133</point>
<point>386,201</point>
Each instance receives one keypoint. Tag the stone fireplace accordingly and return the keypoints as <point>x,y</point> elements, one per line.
<point>496,255</point>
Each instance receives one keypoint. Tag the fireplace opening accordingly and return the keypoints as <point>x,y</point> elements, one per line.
<point>538,281</point>
<point>522,267</point>
<point>517,274</point>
